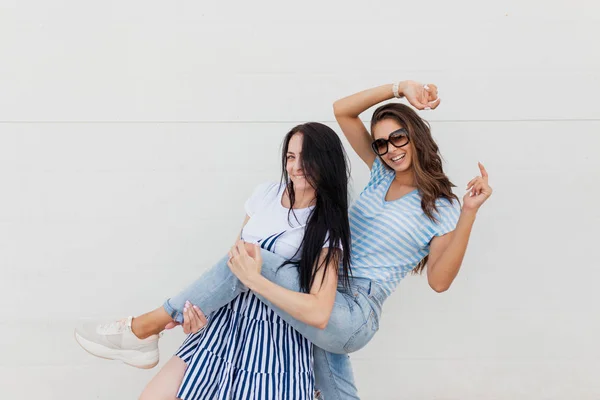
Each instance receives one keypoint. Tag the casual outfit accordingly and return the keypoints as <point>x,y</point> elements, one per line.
<point>247,351</point>
<point>389,238</point>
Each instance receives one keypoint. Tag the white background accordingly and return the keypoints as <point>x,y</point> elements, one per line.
<point>131,134</point>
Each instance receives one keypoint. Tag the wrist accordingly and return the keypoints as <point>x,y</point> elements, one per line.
<point>402,85</point>
<point>469,213</point>
<point>253,281</point>
<point>398,89</point>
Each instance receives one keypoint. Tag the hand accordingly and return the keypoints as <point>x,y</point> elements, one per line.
<point>422,97</point>
<point>193,319</point>
<point>478,191</point>
<point>172,325</point>
<point>245,261</point>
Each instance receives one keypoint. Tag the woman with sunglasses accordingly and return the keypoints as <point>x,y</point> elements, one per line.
<point>405,218</point>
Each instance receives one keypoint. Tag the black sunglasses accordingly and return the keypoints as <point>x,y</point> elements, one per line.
<point>398,138</point>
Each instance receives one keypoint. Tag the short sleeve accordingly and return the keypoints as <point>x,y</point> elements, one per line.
<point>326,243</point>
<point>379,173</point>
<point>259,196</point>
<point>448,212</point>
<point>378,170</point>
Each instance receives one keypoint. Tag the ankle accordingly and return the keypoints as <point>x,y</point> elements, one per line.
<point>140,329</point>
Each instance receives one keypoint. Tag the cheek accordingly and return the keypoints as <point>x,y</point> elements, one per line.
<point>386,162</point>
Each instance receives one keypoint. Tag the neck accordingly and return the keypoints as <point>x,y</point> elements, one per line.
<point>406,178</point>
<point>304,198</point>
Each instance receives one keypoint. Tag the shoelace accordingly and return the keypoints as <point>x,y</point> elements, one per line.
<point>113,327</point>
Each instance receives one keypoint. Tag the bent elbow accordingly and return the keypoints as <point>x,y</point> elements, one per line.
<point>338,110</point>
<point>439,287</point>
<point>320,321</point>
<point>321,324</point>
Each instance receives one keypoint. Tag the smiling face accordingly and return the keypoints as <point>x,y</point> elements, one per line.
<point>397,158</point>
<point>293,164</point>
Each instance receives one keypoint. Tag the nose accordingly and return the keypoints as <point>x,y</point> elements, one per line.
<point>297,167</point>
<point>390,147</point>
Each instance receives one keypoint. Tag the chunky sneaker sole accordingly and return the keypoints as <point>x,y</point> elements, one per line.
<point>133,358</point>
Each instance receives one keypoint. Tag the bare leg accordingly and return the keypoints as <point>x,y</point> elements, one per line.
<point>151,323</point>
<point>165,384</point>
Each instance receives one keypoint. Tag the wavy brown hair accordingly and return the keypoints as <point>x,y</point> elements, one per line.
<point>430,179</point>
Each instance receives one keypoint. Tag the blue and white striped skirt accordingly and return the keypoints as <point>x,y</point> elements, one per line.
<point>247,352</point>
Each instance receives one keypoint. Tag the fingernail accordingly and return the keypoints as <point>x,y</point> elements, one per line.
<point>426,87</point>
<point>427,108</point>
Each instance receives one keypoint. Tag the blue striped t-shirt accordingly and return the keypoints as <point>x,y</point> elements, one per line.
<point>389,238</point>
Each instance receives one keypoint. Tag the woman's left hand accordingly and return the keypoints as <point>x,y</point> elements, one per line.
<point>422,97</point>
<point>478,191</point>
<point>193,319</point>
<point>245,264</point>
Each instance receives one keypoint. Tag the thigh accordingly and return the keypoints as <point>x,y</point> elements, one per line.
<point>165,384</point>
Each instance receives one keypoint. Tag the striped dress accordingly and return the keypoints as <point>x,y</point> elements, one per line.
<point>246,350</point>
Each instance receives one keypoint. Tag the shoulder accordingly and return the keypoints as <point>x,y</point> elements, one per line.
<point>380,169</point>
<point>262,194</point>
<point>268,189</point>
<point>447,214</point>
<point>379,174</point>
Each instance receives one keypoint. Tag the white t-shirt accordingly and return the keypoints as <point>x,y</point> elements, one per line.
<point>272,225</point>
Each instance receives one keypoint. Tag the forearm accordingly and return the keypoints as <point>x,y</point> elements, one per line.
<point>441,274</point>
<point>218,286</point>
<point>352,106</point>
<point>308,308</point>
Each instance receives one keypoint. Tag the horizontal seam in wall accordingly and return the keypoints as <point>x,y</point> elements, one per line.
<point>295,122</point>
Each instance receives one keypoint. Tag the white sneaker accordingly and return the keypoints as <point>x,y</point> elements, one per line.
<point>116,341</point>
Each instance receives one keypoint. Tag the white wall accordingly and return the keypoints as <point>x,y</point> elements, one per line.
<point>113,195</point>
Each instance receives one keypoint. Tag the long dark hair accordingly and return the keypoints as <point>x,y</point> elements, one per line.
<point>430,179</point>
<point>325,167</point>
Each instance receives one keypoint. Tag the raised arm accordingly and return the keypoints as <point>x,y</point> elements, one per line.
<point>348,109</point>
<point>447,251</point>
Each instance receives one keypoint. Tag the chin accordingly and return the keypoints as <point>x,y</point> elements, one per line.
<point>402,168</point>
<point>301,186</point>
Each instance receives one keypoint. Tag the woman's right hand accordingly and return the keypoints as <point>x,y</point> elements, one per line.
<point>422,97</point>
<point>193,319</point>
<point>245,262</point>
